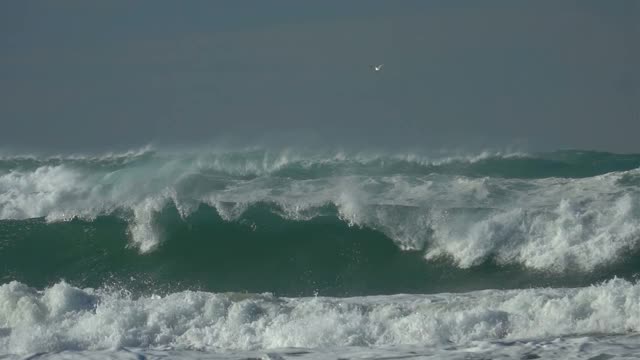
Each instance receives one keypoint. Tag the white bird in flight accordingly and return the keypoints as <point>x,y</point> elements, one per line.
<point>377,68</point>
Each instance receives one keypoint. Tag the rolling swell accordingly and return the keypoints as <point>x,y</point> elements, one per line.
<point>258,252</point>
<point>334,224</point>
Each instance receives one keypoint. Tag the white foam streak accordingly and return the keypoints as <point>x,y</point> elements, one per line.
<point>125,156</point>
<point>144,231</point>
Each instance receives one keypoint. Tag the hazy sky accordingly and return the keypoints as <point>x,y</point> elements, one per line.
<point>89,75</point>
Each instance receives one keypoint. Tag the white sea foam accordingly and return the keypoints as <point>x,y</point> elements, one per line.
<point>550,224</point>
<point>584,347</point>
<point>66,318</point>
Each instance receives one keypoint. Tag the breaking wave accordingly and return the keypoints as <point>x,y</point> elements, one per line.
<point>62,317</point>
<point>444,208</point>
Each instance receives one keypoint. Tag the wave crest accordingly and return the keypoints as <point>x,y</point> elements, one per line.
<point>553,224</point>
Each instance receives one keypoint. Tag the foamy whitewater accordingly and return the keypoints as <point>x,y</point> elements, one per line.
<point>284,254</point>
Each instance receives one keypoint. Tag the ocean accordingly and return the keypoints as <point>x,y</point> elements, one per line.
<point>290,254</point>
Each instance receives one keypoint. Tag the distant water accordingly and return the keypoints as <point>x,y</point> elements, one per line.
<point>291,254</point>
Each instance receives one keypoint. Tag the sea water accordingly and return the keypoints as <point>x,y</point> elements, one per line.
<point>283,254</point>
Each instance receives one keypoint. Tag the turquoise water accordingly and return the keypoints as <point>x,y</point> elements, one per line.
<point>322,255</point>
<point>192,239</point>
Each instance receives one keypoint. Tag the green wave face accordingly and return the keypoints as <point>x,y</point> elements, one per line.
<point>331,224</point>
<point>259,252</point>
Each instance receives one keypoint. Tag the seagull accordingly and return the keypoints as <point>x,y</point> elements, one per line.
<point>376,68</point>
